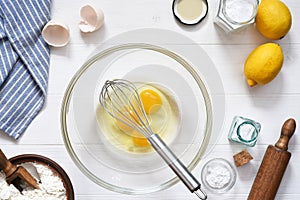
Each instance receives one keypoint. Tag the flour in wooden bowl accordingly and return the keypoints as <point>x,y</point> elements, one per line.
<point>51,187</point>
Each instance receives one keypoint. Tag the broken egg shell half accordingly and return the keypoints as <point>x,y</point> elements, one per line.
<point>56,34</point>
<point>190,12</point>
<point>91,19</point>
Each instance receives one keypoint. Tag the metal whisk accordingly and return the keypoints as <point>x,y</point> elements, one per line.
<point>121,100</point>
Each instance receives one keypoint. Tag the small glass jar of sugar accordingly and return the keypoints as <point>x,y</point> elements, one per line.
<point>233,15</point>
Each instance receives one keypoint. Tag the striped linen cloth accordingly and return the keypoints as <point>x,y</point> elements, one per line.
<point>24,63</point>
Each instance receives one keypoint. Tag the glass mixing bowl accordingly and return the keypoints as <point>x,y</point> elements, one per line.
<point>138,173</point>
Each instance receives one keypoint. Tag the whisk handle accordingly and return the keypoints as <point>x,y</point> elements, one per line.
<point>176,165</point>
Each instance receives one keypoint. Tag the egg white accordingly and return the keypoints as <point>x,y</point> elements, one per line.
<point>164,122</point>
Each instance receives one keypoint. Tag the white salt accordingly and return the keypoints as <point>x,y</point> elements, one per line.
<point>217,176</point>
<point>240,11</point>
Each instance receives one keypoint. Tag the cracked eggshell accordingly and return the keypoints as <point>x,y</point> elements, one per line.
<point>91,19</point>
<point>56,34</point>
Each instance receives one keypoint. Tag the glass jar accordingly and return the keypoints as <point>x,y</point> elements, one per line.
<point>236,14</point>
<point>244,130</point>
<point>218,175</point>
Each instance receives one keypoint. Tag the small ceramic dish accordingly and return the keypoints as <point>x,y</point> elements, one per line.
<point>218,175</point>
<point>57,170</point>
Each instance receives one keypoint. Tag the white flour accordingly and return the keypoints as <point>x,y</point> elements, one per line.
<point>51,188</point>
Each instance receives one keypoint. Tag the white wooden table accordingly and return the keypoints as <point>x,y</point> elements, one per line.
<point>270,105</point>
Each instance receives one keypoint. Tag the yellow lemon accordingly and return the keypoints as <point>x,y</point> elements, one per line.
<point>263,64</point>
<point>273,19</point>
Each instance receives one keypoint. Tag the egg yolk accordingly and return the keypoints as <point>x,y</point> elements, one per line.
<point>139,140</point>
<point>151,101</point>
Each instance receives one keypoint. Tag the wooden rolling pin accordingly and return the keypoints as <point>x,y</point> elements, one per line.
<point>273,166</point>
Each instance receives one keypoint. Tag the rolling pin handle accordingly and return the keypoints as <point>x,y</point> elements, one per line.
<point>287,132</point>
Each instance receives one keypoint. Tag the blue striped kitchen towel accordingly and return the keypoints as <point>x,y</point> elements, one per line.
<point>24,63</point>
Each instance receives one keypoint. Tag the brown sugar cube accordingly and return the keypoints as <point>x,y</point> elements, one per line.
<point>242,158</point>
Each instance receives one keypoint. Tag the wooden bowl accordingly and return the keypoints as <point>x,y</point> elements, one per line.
<point>49,163</point>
